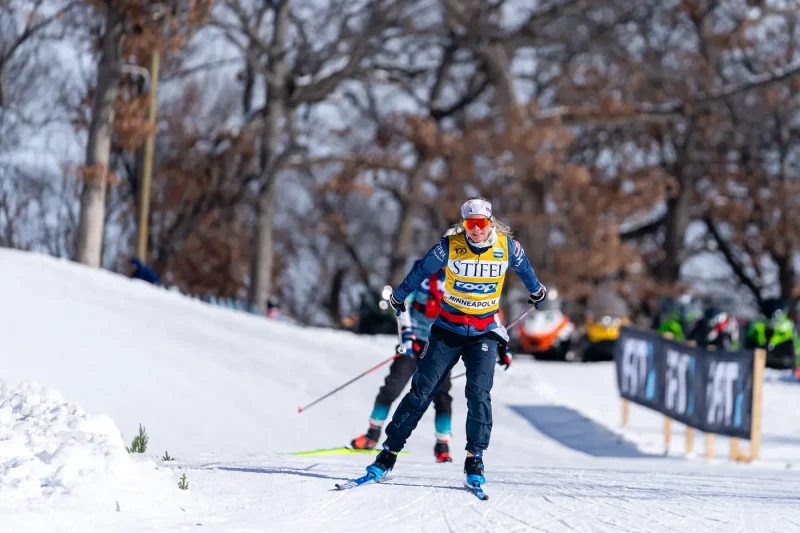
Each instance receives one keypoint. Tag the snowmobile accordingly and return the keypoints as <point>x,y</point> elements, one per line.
<point>777,334</point>
<point>547,332</point>
<point>678,317</point>
<point>601,336</point>
<point>606,313</point>
<point>716,329</point>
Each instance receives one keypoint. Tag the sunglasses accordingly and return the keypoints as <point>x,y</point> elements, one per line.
<point>472,223</point>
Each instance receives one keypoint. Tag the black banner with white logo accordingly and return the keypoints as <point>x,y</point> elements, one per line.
<point>708,390</point>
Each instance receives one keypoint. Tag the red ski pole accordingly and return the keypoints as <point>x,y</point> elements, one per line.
<point>337,389</point>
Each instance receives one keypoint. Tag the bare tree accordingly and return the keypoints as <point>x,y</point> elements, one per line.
<point>131,30</point>
<point>35,202</point>
<point>287,46</point>
<point>98,147</point>
<point>13,38</point>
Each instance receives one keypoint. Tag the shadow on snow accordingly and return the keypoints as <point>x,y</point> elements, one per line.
<point>575,431</point>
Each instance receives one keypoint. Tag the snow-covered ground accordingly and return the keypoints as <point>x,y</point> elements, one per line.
<point>52,452</point>
<point>219,390</point>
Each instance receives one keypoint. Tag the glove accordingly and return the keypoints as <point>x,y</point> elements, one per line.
<point>504,357</point>
<point>408,342</point>
<point>398,306</point>
<point>538,297</point>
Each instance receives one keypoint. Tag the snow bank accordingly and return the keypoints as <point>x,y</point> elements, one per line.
<point>49,446</point>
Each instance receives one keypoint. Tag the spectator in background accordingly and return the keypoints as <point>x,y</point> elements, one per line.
<point>143,272</point>
<point>273,308</point>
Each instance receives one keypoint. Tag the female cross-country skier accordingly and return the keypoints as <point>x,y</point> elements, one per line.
<point>475,260</point>
<point>415,323</point>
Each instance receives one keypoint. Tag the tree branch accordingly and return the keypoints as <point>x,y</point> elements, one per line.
<point>31,29</point>
<point>551,14</point>
<point>646,229</point>
<point>657,113</point>
<point>438,114</point>
<point>217,63</point>
<point>736,266</point>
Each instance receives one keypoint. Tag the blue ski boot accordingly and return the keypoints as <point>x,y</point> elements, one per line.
<point>375,472</point>
<point>473,467</point>
<point>383,464</point>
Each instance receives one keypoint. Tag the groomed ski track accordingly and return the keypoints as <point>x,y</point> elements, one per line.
<point>421,497</point>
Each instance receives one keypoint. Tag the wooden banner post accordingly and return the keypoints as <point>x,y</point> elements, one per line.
<point>667,433</point>
<point>759,362</point>
<point>626,412</point>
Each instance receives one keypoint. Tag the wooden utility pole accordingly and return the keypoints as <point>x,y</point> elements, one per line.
<point>147,166</point>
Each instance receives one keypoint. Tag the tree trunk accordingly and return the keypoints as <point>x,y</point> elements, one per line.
<point>534,234</point>
<point>261,268</point>
<point>535,228</point>
<point>677,218</point>
<point>786,276</point>
<point>98,148</point>
<point>333,303</point>
<point>405,234</point>
<point>275,110</point>
<point>669,269</point>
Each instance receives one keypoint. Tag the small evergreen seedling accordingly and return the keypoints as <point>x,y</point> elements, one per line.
<point>183,484</point>
<point>167,457</point>
<point>139,444</point>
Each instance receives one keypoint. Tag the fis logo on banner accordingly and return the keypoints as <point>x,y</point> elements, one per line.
<point>498,252</point>
<point>637,376</point>
<point>724,395</point>
<point>475,288</point>
<point>678,396</point>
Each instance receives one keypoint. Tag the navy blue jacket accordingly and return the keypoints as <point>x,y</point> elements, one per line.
<point>144,272</point>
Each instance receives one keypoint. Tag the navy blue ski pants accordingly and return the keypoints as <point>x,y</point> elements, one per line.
<point>437,360</point>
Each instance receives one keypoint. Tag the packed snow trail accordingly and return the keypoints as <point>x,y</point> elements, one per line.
<point>282,494</point>
<point>219,390</point>
<point>278,494</point>
<point>419,496</point>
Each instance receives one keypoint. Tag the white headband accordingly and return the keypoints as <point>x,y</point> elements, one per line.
<point>476,207</point>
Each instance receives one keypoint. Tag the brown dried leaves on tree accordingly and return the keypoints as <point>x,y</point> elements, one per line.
<point>200,226</point>
<point>163,25</point>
